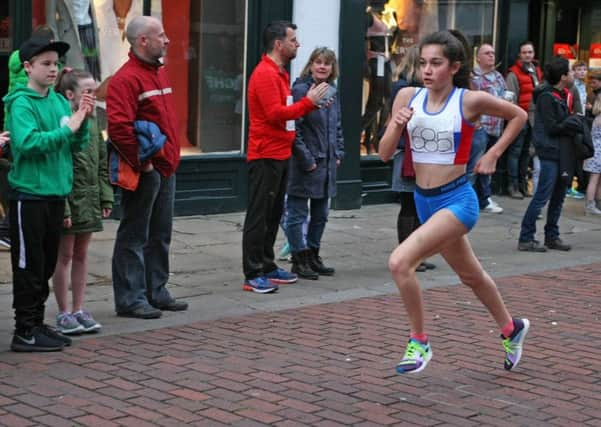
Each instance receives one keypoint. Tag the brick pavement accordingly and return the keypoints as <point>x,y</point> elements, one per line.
<point>330,365</point>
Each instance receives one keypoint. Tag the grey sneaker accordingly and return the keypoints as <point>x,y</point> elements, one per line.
<point>531,246</point>
<point>86,320</point>
<point>67,324</point>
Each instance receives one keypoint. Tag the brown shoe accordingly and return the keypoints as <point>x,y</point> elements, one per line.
<point>557,244</point>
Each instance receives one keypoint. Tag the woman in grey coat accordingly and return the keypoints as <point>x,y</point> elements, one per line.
<point>317,152</point>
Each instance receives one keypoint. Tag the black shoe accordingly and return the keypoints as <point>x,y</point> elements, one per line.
<point>514,193</point>
<point>557,244</point>
<point>428,265</point>
<point>531,246</point>
<point>301,265</point>
<point>421,268</point>
<point>317,265</point>
<point>142,312</point>
<point>34,340</point>
<point>173,305</point>
<point>56,335</point>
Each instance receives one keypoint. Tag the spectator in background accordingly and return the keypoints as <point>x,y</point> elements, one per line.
<point>44,134</point>
<point>271,134</point>
<point>140,92</point>
<point>582,176</point>
<point>90,201</point>
<point>403,178</point>
<point>552,122</point>
<point>522,78</point>
<point>316,154</point>
<point>485,77</point>
<point>593,164</point>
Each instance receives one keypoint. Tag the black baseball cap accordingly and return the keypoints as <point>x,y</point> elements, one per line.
<point>38,44</point>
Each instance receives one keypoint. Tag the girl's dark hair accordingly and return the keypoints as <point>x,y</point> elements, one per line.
<point>455,48</point>
<point>68,79</point>
<point>555,68</point>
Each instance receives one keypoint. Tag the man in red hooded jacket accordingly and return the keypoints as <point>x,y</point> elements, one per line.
<point>140,90</point>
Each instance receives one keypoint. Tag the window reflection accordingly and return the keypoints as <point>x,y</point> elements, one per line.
<point>205,58</point>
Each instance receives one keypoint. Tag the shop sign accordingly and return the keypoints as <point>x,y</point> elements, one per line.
<point>564,49</point>
<point>595,56</point>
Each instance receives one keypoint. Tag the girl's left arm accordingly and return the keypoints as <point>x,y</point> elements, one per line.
<point>476,103</point>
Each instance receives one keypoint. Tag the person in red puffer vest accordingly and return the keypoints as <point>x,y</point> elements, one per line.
<point>522,78</point>
<point>271,133</point>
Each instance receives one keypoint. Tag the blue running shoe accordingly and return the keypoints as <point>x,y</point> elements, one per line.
<point>260,285</point>
<point>513,344</point>
<point>416,358</point>
<point>281,276</point>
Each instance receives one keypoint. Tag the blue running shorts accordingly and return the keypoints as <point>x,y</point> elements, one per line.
<point>458,196</point>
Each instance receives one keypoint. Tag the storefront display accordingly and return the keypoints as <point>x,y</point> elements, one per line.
<point>205,58</point>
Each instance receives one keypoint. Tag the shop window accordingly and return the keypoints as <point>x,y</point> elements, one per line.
<point>392,27</point>
<point>205,58</point>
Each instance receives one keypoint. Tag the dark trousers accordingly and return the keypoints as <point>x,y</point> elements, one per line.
<point>141,253</point>
<point>4,223</point>
<point>35,235</point>
<point>266,189</point>
<point>518,158</point>
<point>380,88</point>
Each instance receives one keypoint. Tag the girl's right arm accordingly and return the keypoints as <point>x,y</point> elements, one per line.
<point>400,115</point>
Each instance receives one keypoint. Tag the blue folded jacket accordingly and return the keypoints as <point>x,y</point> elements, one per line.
<point>150,138</point>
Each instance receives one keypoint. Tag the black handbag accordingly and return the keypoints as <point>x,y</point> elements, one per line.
<point>583,142</point>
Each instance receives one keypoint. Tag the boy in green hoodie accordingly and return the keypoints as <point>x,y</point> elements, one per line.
<point>43,133</point>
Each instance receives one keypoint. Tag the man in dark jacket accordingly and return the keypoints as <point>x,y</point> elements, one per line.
<point>552,122</point>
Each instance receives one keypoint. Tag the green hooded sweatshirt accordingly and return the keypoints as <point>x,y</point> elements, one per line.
<point>17,77</point>
<point>41,143</point>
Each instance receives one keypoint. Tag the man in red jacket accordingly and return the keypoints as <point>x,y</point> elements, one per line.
<point>140,90</point>
<point>270,137</point>
<point>522,78</point>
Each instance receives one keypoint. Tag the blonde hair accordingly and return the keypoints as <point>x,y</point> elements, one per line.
<point>597,105</point>
<point>328,56</point>
<point>409,66</point>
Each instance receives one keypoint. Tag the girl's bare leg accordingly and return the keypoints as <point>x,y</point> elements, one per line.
<point>79,269</point>
<point>60,283</point>
<point>424,242</point>
<point>461,258</point>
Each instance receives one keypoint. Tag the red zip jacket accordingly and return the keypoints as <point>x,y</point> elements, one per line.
<point>268,89</point>
<point>141,91</point>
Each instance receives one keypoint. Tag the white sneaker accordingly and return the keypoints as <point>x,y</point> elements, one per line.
<point>492,207</point>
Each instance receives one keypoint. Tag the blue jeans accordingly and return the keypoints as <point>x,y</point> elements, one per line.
<point>298,210</point>
<point>517,160</point>
<point>141,252</point>
<point>479,141</point>
<point>550,189</point>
